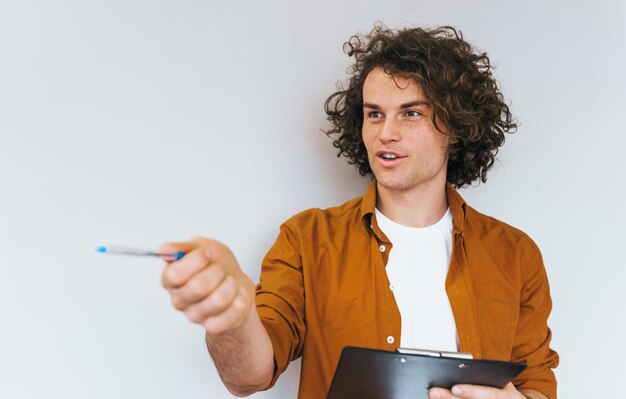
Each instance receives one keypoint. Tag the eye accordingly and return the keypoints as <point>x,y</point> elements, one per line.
<point>375,115</point>
<point>412,113</point>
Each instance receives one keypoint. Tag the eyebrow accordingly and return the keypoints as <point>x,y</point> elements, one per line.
<point>405,105</point>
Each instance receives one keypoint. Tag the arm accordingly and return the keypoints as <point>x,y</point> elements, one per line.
<point>532,339</point>
<point>210,288</point>
<point>243,357</point>
<point>280,298</point>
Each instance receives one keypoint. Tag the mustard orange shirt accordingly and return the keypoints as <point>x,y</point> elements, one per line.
<point>323,286</point>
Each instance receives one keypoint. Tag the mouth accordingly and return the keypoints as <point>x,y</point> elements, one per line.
<point>388,156</point>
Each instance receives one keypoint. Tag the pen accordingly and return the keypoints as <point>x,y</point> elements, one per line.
<point>116,250</point>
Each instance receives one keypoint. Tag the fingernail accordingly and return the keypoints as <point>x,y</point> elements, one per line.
<point>207,252</point>
<point>457,390</point>
<point>435,394</point>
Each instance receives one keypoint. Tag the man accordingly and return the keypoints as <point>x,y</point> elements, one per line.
<point>422,113</point>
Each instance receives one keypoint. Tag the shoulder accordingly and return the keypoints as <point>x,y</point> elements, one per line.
<point>343,215</point>
<point>491,230</point>
<point>492,241</point>
<point>311,229</point>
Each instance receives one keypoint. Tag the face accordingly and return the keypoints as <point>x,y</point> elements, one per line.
<point>405,150</point>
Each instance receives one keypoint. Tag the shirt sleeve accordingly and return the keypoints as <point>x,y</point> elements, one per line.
<point>280,298</point>
<point>532,341</point>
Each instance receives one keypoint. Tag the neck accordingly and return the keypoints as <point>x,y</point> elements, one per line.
<point>419,207</point>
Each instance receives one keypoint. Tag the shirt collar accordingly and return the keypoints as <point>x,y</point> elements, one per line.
<point>458,208</point>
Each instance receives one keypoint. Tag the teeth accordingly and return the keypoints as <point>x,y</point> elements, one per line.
<point>389,156</point>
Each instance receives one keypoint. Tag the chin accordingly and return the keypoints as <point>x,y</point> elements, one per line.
<point>393,185</point>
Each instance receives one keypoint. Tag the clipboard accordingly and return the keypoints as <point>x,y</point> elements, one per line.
<point>377,374</point>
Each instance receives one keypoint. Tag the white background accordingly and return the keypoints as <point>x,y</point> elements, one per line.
<point>137,122</point>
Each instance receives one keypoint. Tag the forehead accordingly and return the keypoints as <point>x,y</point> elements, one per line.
<point>381,86</point>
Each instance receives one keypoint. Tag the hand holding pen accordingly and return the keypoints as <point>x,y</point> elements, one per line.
<point>208,285</point>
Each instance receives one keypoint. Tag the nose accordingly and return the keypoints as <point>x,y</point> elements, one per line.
<point>389,131</point>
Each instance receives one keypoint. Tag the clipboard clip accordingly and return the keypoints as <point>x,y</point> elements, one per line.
<point>434,353</point>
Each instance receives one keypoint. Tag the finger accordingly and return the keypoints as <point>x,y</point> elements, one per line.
<point>466,391</point>
<point>176,274</point>
<point>509,388</point>
<point>185,246</point>
<point>182,246</point>
<point>440,393</point>
<point>199,286</point>
<point>232,317</point>
<point>218,302</point>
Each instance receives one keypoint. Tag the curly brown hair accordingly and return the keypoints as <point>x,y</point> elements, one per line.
<point>458,81</point>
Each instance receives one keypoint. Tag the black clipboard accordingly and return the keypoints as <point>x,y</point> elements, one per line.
<point>376,374</point>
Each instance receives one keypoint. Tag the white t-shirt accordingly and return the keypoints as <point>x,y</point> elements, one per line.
<point>417,269</point>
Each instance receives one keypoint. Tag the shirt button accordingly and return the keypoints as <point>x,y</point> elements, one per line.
<point>391,339</point>
<point>382,248</point>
